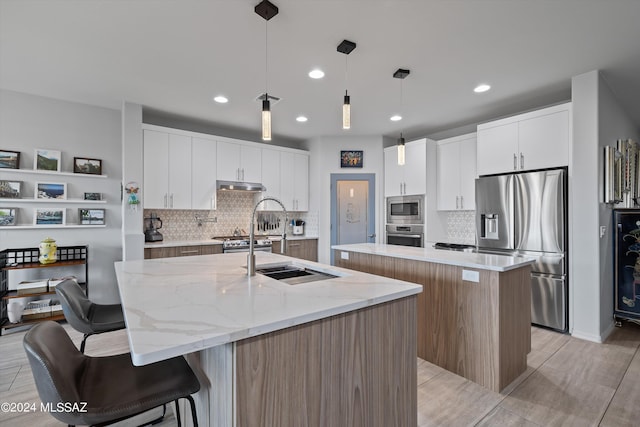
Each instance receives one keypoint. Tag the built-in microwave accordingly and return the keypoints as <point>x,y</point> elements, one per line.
<point>405,209</point>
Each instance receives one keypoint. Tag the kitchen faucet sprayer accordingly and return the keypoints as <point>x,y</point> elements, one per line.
<point>251,258</point>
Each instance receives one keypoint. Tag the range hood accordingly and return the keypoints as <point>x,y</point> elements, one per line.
<point>239,186</point>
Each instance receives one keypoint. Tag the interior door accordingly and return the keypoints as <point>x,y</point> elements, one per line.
<point>352,209</point>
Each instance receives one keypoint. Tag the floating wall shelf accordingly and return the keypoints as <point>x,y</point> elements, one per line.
<point>39,172</point>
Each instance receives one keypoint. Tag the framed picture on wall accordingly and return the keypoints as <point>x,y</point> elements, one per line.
<point>7,216</point>
<point>91,216</point>
<point>47,160</point>
<point>49,216</point>
<point>351,159</point>
<point>87,166</point>
<point>93,196</point>
<point>9,159</point>
<point>51,190</point>
<point>10,189</point>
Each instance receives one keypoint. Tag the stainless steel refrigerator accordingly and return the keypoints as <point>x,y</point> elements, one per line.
<point>525,214</point>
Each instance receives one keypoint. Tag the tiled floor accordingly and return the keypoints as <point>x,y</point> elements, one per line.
<point>568,382</point>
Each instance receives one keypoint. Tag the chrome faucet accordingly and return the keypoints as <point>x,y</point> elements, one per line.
<point>251,258</point>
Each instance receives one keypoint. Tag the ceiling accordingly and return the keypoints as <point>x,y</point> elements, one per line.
<point>174,56</point>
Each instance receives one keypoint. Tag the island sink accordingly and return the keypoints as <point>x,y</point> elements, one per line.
<point>293,274</point>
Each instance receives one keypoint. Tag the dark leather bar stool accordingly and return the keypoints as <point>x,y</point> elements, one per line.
<point>111,386</point>
<point>85,316</point>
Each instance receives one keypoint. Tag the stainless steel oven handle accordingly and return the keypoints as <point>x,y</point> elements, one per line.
<point>413,236</point>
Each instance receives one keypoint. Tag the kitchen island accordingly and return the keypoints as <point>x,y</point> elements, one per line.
<point>474,313</point>
<point>339,351</point>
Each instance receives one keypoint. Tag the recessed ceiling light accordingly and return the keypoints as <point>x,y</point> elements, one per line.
<point>396,118</point>
<point>301,119</point>
<point>316,74</point>
<point>482,88</point>
<point>221,99</point>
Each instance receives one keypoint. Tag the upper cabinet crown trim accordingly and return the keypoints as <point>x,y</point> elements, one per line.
<point>458,138</point>
<point>525,116</point>
<point>211,137</point>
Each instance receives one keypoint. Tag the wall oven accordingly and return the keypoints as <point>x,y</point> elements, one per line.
<point>405,210</point>
<point>405,235</point>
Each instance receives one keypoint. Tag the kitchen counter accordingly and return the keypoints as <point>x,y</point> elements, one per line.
<point>429,254</point>
<point>173,243</point>
<point>474,316</point>
<point>206,307</point>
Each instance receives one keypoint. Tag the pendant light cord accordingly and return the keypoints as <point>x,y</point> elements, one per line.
<point>401,109</point>
<point>346,72</point>
<point>266,59</point>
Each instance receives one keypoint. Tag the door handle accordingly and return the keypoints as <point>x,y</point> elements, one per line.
<point>372,236</point>
<point>521,161</point>
<point>171,198</point>
<point>400,188</point>
<point>243,174</point>
<point>461,202</point>
<point>457,202</point>
<point>515,162</point>
<point>165,200</point>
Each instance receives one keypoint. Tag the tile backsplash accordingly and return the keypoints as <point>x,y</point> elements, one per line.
<point>233,211</point>
<point>461,227</point>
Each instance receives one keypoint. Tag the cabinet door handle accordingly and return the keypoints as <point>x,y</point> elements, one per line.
<point>289,244</point>
<point>521,161</point>
<point>457,202</point>
<point>404,188</point>
<point>461,202</point>
<point>243,174</point>
<point>195,251</point>
<point>515,162</point>
<point>400,188</point>
<point>165,200</point>
<point>171,198</point>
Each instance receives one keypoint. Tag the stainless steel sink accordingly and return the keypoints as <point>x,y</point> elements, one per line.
<point>293,274</point>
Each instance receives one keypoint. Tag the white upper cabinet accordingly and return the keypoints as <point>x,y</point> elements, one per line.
<point>410,178</point>
<point>239,162</point>
<point>203,174</point>
<point>535,140</point>
<point>270,178</point>
<point>456,173</point>
<point>167,170</point>
<point>294,181</point>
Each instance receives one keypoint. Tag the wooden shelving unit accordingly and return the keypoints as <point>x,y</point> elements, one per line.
<point>27,258</point>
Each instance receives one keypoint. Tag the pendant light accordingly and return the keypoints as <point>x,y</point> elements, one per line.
<point>346,47</point>
<point>266,10</point>
<point>401,74</point>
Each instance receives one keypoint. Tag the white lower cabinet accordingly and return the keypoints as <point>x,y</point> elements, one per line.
<point>456,173</point>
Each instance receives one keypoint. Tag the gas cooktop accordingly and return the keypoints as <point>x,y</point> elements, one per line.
<point>454,247</point>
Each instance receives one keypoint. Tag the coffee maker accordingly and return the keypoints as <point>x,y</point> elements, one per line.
<point>151,227</point>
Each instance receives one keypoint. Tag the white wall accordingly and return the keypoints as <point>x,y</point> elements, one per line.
<point>28,122</point>
<point>325,160</point>
<point>598,120</point>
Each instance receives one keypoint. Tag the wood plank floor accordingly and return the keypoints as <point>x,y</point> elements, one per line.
<point>568,382</point>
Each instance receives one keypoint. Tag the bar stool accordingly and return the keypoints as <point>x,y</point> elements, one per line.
<point>86,316</point>
<point>103,389</point>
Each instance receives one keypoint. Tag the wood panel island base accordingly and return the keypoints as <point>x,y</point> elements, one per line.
<point>335,352</point>
<point>474,313</point>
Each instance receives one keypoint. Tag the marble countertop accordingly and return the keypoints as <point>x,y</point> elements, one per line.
<point>429,254</point>
<point>175,306</point>
<point>172,243</point>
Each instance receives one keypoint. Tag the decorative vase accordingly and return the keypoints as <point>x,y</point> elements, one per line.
<point>14,311</point>
<point>48,248</point>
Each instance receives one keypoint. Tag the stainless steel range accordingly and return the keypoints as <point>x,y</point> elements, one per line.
<point>241,244</point>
